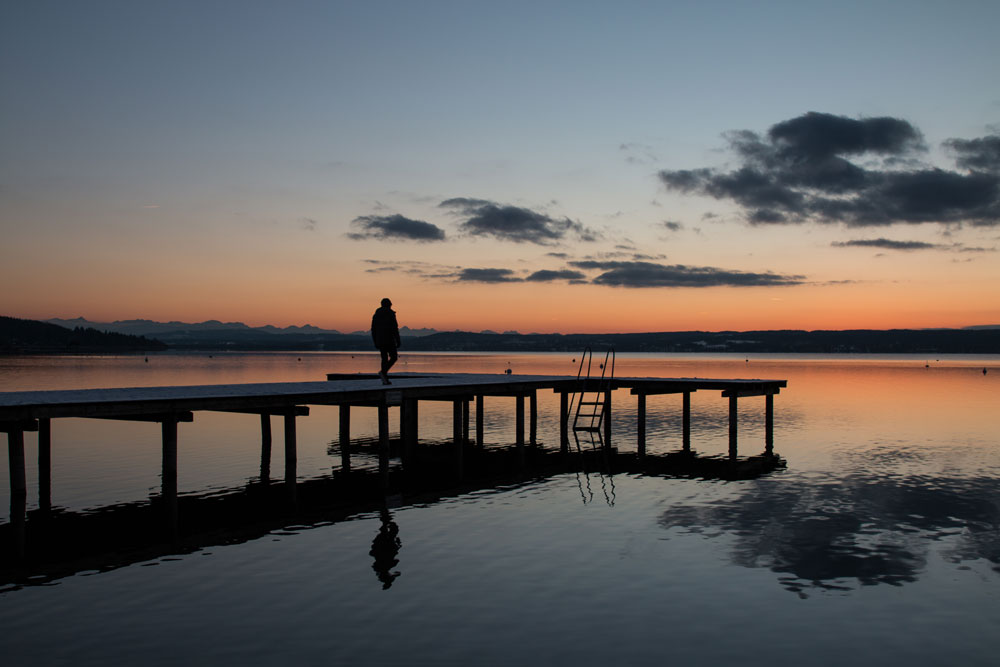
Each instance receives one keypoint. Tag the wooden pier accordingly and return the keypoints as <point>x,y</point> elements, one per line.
<point>168,406</point>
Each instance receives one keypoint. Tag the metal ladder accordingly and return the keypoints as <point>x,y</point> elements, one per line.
<point>589,415</point>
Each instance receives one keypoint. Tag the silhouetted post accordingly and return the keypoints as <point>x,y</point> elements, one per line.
<point>291,455</point>
<point>732,426</point>
<point>408,423</point>
<point>607,419</point>
<point>456,431</point>
<point>18,489</point>
<point>345,436</point>
<point>533,418</point>
<point>563,422</point>
<point>519,420</point>
<point>686,422</point>
<point>640,425</point>
<point>769,424</point>
<point>479,420</point>
<point>383,440</point>
<point>168,480</point>
<point>265,447</point>
<point>465,421</point>
<point>45,464</point>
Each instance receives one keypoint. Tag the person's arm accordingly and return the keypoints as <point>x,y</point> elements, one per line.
<point>395,330</point>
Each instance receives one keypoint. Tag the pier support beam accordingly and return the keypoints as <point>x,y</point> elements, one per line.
<point>465,421</point>
<point>18,489</point>
<point>563,422</point>
<point>265,448</point>
<point>640,425</point>
<point>533,418</point>
<point>479,420</point>
<point>168,479</point>
<point>45,464</point>
<point>686,422</point>
<point>291,456</point>
<point>519,425</point>
<point>607,419</point>
<point>732,426</point>
<point>457,434</point>
<point>383,441</point>
<point>345,436</point>
<point>769,424</point>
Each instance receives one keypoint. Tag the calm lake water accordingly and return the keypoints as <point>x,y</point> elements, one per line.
<point>878,541</point>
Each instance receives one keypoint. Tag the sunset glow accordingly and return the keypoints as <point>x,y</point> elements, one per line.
<point>559,168</point>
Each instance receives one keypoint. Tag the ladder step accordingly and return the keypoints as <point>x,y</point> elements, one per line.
<point>591,403</point>
<point>586,428</point>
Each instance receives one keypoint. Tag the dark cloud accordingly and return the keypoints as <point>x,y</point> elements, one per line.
<point>981,154</point>
<point>395,228</point>
<point>546,275</point>
<point>800,171</point>
<point>650,274</point>
<point>672,226</point>
<point>487,276</point>
<point>886,243</point>
<point>514,223</point>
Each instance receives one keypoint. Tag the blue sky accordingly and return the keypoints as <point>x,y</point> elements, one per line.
<point>189,160</point>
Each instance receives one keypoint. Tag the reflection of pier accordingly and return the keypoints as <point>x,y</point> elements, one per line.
<point>60,543</point>
<point>34,410</point>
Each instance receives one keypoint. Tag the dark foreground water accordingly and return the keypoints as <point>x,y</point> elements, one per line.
<point>878,542</point>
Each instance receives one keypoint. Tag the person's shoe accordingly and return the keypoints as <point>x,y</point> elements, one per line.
<point>385,378</point>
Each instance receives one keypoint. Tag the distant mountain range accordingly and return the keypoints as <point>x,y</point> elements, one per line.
<point>215,335</point>
<point>187,329</point>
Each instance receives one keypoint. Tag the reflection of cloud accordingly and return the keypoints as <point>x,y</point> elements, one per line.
<point>855,530</point>
<point>651,274</point>
<point>513,223</point>
<point>801,171</point>
<point>395,228</point>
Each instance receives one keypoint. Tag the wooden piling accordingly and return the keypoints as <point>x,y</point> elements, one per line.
<point>457,435</point>
<point>686,422</point>
<point>640,425</point>
<point>732,425</point>
<point>769,424</point>
<point>168,479</point>
<point>291,456</point>
<point>383,441</point>
<point>607,419</point>
<point>533,418</point>
<point>18,490</point>
<point>45,464</point>
<point>345,436</point>
<point>480,414</point>
<point>563,422</point>
<point>265,447</point>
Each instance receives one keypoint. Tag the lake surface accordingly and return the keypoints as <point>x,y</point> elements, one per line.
<point>878,541</point>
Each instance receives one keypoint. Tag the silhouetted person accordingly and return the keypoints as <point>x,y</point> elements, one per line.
<point>385,335</point>
<point>385,548</point>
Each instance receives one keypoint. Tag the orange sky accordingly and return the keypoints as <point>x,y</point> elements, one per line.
<point>160,164</point>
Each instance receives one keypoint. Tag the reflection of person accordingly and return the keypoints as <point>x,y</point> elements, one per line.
<point>385,548</point>
<point>385,335</point>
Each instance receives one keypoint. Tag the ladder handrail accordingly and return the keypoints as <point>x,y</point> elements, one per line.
<point>587,355</point>
<point>604,385</point>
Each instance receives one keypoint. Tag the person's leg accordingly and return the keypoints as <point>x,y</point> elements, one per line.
<point>384,353</point>
<point>393,356</point>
